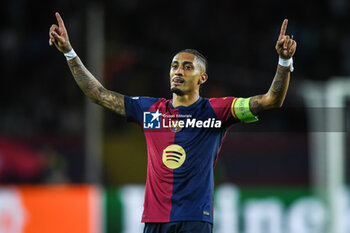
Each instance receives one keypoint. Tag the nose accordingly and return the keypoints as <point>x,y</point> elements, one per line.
<point>179,71</point>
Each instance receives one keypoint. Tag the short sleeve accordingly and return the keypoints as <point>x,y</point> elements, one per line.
<point>222,108</point>
<point>232,109</point>
<point>136,106</point>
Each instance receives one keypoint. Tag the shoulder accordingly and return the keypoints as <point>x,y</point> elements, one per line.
<point>147,102</point>
<point>221,101</point>
<point>143,99</point>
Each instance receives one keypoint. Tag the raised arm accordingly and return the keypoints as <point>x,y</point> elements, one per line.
<point>274,98</point>
<point>91,87</point>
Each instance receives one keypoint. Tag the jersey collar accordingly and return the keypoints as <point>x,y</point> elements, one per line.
<point>195,104</point>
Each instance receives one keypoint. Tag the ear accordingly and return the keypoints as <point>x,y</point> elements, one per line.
<point>203,78</point>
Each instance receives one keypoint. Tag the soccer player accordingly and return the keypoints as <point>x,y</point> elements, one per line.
<point>184,134</point>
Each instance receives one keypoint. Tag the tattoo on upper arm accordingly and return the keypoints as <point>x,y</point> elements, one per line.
<point>93,89</point>
<point>255,104</point>
<point>112,100</point>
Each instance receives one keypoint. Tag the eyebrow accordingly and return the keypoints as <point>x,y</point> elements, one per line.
<point>184,63</point>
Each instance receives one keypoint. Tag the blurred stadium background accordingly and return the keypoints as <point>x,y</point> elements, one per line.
<point>69,166</point>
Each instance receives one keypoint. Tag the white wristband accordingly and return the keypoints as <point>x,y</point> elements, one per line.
<point>286,62</point>
<point>70,55</point>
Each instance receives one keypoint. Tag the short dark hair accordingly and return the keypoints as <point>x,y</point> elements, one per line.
<point>198,55</point>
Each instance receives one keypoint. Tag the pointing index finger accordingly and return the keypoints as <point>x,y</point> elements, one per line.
<point>59,20</point>
<point>283,29</point>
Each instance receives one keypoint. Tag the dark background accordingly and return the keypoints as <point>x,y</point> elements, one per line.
<point>42,109</point>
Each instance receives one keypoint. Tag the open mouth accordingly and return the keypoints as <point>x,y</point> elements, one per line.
<point>178,80</point>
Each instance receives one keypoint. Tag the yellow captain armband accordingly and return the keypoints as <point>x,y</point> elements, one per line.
<point>240,110</point>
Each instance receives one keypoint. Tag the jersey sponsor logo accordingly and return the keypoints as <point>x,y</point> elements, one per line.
<point>151,120</point>
<point>174,156</point>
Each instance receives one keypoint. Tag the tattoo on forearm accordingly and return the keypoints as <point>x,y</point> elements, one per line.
<point>276,86</point>
<point>280,82</point>
<point>93,89</point>
<point>276,94</point>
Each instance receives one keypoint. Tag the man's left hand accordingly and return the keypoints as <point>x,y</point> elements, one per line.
<point>285,45</point>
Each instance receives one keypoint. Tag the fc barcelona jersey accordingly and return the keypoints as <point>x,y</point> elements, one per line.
<point>182,146</point>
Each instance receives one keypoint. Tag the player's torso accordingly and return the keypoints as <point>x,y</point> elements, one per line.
<point>187,137</point>
<point>181,154</point>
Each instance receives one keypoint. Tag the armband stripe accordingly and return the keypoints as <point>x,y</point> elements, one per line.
<point>233,108</point>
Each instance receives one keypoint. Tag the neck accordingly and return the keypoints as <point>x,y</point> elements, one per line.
<point>184,100</point>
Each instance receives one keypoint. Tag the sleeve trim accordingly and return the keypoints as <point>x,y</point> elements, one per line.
<point>233,108</point>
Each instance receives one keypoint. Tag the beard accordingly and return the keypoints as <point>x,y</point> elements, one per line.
<point>177,91</point>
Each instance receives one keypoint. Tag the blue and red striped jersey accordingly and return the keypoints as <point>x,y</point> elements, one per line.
<point>182,146</point>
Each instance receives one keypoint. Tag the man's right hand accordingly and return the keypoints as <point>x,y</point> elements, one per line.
<point>59,36</point>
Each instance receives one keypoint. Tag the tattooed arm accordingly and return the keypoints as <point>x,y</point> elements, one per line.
<point>85,80</point>
<point>274,98</point>
<point>93,89</point>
